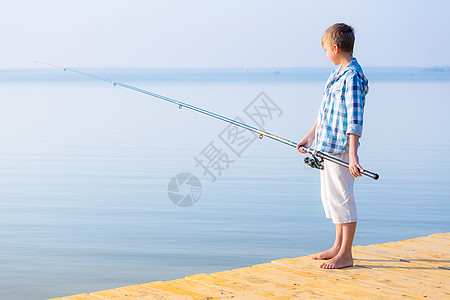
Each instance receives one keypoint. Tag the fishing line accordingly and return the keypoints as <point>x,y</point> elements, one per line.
<point>314,162</point>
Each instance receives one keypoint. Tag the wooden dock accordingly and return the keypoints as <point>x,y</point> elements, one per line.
<point>414,269</point>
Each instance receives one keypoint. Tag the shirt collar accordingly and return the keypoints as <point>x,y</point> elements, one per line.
<point>351,65</point>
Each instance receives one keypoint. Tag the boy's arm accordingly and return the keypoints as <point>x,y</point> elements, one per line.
<point>354,101</point>
<point>308,139</point>
<point>353,164</point>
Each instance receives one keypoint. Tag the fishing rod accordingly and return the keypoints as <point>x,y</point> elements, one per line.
<point>316,161</point>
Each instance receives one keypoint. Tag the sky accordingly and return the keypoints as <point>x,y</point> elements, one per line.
<point>221,33</point>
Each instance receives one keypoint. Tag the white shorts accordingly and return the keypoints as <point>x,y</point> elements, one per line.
<point>337,191</point>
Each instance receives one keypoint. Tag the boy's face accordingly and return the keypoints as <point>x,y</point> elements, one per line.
<point>332,52</point>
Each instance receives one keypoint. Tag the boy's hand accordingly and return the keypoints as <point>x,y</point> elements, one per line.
<point>308,139</point>
<point>353,159</point>
<point>306,142</point>
<point>354,166</point>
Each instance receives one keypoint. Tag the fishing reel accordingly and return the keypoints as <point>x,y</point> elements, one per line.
<point>314,162</point>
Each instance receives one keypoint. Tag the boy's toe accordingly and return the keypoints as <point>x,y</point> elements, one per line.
<point>324,266</point>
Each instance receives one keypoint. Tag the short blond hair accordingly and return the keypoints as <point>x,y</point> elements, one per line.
<point>340,34</point>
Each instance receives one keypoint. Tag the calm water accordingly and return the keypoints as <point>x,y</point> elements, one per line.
<point>85,168</point>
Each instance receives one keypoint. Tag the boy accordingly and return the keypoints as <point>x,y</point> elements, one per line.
<point>337,131</point>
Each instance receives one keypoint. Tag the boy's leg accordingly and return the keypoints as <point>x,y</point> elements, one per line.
<point>344,257</point>
<point>339,204</point>
<point>333,251</point>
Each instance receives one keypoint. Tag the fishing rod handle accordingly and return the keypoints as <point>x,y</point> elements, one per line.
<point>329,157</point>
<point>370,174</point>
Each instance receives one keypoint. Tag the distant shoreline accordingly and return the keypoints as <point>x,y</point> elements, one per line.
<point>267,75</point>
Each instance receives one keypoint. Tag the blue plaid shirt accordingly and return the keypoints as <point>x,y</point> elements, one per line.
<point>342,108</point>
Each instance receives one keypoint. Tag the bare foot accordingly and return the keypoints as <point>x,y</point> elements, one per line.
<point>338,262</point>
<point>330,253</point>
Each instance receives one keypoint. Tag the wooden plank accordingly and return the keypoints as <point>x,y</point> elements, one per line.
<point>275,286</point>
<point>174,290</point>
<point>348,283</point>
<point>410,269</point>
<point>81,297</point>
<point>410,277</point>
<point>291,284</point>
<point>124,293</point>
<point>420,247</point>
<point>445,235</point>
<point>404,268</point>
<point>142,292</point>
<point>245,290</point>
<point>430,239</point>
<point>417,258</point>
<point>366,278</point>
<point>355,286</point>
<point>211,291</point>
